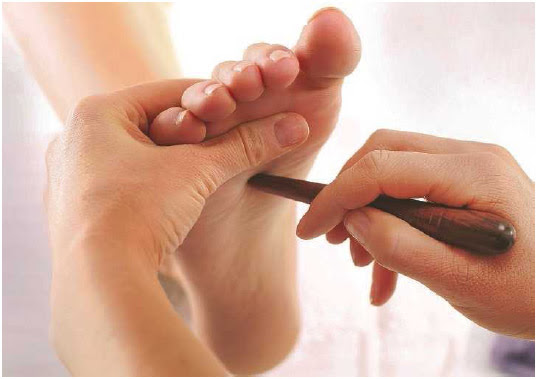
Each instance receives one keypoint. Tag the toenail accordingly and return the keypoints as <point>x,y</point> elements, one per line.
<point>318,12</point>
<point>277,55</point>
<point>211,88</point>
<point>241,66</point>
<point>180,117</point>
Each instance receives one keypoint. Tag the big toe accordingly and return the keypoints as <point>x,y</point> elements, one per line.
<point>329,46</point>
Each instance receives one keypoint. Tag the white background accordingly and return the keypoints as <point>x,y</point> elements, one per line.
<point>463,71</point>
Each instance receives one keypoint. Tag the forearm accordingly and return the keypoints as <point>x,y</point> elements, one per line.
<point>79,49</point>
<point>111,317</point>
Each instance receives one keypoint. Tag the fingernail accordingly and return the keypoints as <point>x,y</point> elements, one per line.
<point>242,65</point>
<point>211,88</point>
<point>357,224</point>
<point>277,55</point>
<point>180,117</point>
<point>291,130</point>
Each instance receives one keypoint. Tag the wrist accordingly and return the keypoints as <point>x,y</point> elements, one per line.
<point>111,238</point>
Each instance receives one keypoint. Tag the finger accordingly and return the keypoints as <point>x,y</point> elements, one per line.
<point>453,179</point>
<point>360,256</point>
<point>398,247</point>
<point>395,140</point>
<point>208,100</point>
<point>243,79</point>
<point>383,285</point>
<point>176,126</point>
<point>337,235</point>
<point>153,98</point>
<point>279,65</point>
<point>244,148</point>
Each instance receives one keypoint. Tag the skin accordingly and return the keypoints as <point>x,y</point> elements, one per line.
<point>240,289</point>
<point>251,286</point>
<point>258,229</point>
<point>241,98</point>
<point>86,43</point>
<point>110,316</point>
<point>495,292</point>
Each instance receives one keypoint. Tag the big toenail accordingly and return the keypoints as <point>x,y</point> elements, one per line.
<point>180,117</point>
<point>276,55</point>
<point>241,66</point>
<point>211,88</point>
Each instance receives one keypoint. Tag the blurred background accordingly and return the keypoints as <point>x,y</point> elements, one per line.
<point>464,71</point>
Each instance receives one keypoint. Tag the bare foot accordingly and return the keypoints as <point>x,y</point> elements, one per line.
<point>238,262</point>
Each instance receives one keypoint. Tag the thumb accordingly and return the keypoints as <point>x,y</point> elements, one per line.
<point>249,146</point>
<point>399,247</point>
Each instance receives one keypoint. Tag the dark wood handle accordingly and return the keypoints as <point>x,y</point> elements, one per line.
<point>477,232</point>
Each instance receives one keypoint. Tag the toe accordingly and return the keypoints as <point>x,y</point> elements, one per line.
<point>279,65</point>
<point>208,100</point>
<point>176,126</point>
<point>243,79</point>
<point>329,46</point>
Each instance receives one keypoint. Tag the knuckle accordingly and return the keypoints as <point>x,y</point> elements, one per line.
<point>86,106</point>
<point>374,163</point>
<point>251,146</point>
<point>380,135</point>
<point>382,139</point>
<point>498,150</point>
<point>487,162</point>
<point>87,111</point>
<point>493,179</point>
